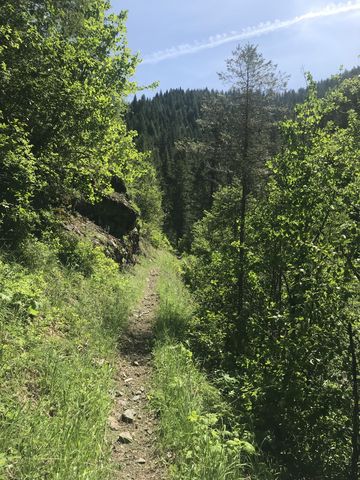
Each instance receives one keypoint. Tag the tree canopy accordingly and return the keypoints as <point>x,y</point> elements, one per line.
<point>65,74</point>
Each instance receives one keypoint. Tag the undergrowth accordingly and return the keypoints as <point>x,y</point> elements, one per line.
<point>195,430</point>
<point>59,327</point>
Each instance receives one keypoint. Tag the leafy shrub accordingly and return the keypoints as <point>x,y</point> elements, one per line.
<point>192,428</point>
<point>146,194</point>
<point>17,181</point>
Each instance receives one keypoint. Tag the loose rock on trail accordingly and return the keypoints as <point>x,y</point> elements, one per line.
<point>132,423</point>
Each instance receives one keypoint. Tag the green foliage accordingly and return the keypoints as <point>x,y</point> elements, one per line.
<point>188,134</point>
<point>65,70</point>
<point>17,165</point>
<point>161,122</point>
<point>190,423</point>
<point>58,338</point>
<point>211,271</point>
<point>79,256</point>
<point>145,192</point>
<point>194,420</point>
<point>288,352</point>
<point>175,303</point>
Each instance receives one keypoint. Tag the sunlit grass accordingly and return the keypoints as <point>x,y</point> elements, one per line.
<point>58,337</point>
<point>191,411</point>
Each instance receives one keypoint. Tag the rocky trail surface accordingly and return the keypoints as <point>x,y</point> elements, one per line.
<point>132,424</point>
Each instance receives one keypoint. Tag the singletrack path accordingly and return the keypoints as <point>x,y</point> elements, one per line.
<point>132,423</point>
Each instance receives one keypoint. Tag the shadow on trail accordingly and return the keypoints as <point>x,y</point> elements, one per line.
<point>136,344</point>
<point>137,340</point>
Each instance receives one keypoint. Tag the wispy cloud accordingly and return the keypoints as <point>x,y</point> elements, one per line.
<point>250,32</point>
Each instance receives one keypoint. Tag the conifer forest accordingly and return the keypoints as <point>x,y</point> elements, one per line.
<point>179,269</point>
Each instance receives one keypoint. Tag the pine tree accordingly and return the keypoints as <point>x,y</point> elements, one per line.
<point>253,81</point>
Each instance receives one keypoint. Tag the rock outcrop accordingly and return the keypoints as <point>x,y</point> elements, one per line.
<point>110,224</point>
<point>122,250</point>
<point>114,213</point>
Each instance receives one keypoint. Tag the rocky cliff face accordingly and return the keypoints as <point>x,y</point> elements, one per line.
<point>122,250</point>
<point>114,214</point>
<point>110,223</point>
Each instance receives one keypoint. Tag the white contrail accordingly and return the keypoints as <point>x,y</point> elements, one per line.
<point>260,29</point>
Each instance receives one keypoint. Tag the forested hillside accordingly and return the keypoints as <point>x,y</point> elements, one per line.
<point>179,275</point>
<point>62,100</point>
<point>160,123</point>
<point>170,123</point>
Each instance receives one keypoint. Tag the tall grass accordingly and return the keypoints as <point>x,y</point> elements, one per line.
<point>175,302</point>
<point>58,337</point>
<point>192,414</point>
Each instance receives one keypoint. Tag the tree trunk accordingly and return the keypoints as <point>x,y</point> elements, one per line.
<point>241,274</point>
<point>243,211</point>
<point>354,466</point>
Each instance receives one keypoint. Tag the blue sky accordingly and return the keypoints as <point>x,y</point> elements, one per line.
<point>184,43</point>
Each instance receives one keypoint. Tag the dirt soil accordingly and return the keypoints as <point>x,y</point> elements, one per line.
<point>133,426</point>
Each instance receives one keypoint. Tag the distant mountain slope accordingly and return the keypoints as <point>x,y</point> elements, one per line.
<point>173,115</point>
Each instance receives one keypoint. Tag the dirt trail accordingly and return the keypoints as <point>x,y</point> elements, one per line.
<point>132,424</point>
